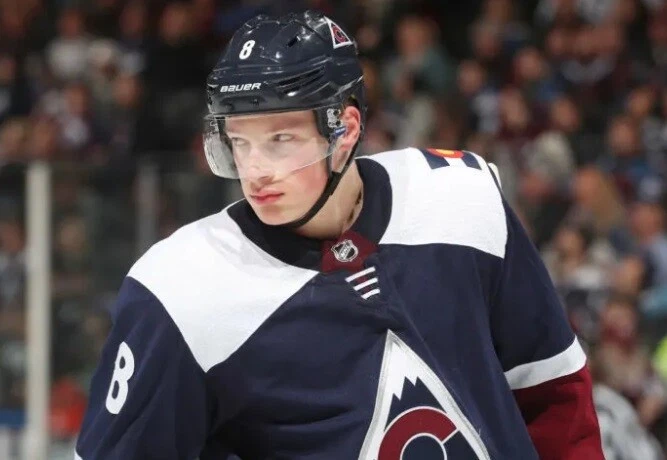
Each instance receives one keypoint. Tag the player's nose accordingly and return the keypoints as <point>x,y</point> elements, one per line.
<point>257,168</point>
<point>260,181</point>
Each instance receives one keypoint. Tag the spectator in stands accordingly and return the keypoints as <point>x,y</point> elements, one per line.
<point>621,362</point>
<point>44,140</point>
<point>657,34</point>
<point>420,71</point>
<point>487,49</point>
<point>580,275</point>
<point>623,435</point>
<point>544,184</point>
<point>597,202</point>
<point>480,96</point>
<point>647,222</point>
<point>13,28</point>
<point>67,54</point>
<point>133,37</point>
<point>532,75</point>
<point>80,131</point>
<point>503,14</point>
<point>629,276</point>
<point>13,136</point>
<point>558,13</point>
<point>14,92</point>
<point>626,159</point>
<point>559,47</point>
<point>565,118</point>
<point>121,129</point>
<point>175,68</point>
<point>518,129</point>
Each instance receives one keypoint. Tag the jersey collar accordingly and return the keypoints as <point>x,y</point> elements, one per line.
<point>307,253</point>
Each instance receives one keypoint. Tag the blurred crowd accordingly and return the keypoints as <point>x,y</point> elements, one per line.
<point>567,97</point>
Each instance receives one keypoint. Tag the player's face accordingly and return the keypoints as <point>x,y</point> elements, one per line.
<point>278,198</point>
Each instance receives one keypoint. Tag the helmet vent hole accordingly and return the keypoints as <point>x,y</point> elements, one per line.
<point>293,41</point>
<point>293,85</point>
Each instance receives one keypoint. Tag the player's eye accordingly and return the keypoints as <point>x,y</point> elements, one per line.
<point>282,137</point>
<point>238,142</point>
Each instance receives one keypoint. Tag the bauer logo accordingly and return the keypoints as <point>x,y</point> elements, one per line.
<point>345,251</point>
<point>237,88</point>
<point>338,37</point>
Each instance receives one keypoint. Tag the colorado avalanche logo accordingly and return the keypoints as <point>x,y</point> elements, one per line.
<point>338,37</point>
<point>425,422</point>
<point>416,418</point>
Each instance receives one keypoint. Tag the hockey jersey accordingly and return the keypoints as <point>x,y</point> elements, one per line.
<point>429,330</point>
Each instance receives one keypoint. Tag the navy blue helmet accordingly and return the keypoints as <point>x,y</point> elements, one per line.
<point>296,62</point>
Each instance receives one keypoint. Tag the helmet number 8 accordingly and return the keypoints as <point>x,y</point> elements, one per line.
<point>246,49</point>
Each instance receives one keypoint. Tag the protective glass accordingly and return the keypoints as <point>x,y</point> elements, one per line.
<point>241,156</point>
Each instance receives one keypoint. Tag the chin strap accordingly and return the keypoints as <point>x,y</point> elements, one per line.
<point>329,189</point>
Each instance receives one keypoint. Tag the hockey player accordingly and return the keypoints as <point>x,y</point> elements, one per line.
<point>379,308</point>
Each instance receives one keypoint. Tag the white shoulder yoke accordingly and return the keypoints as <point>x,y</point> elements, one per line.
<point>216,285</point>
<point>453,204</point>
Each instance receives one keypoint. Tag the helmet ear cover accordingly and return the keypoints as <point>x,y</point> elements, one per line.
<point>329,123</point>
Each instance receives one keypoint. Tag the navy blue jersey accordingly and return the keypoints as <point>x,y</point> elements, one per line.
<point>429,330</point>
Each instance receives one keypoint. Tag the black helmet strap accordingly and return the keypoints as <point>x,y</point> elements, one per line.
<point>329,189</point>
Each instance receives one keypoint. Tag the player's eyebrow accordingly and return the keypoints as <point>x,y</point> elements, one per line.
<point>277,125</point>
<point>286,123</point>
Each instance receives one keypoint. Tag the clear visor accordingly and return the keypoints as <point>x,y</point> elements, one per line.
<point>252,153</point>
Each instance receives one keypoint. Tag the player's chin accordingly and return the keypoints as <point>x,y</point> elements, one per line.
<point>273,215</point>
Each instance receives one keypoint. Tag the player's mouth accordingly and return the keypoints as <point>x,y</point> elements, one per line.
<point>266,198</point>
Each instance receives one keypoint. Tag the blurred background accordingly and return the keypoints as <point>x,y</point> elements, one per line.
<point>100,116</point>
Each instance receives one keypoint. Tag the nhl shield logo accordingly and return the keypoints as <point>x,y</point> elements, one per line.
<point>416,417</point>
<point>345,251</point>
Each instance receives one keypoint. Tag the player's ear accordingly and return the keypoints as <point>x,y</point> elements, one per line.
<point>351,118</point>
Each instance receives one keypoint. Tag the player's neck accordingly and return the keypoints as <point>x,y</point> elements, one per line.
<point>340,211</point>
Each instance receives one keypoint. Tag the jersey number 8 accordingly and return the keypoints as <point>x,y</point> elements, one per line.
<point>123,370</point>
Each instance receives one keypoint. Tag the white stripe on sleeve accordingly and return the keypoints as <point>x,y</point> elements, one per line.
<point>565,363</point>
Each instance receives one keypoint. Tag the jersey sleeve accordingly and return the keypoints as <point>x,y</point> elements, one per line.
<point>148,396</point>
<point>543,362</point>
